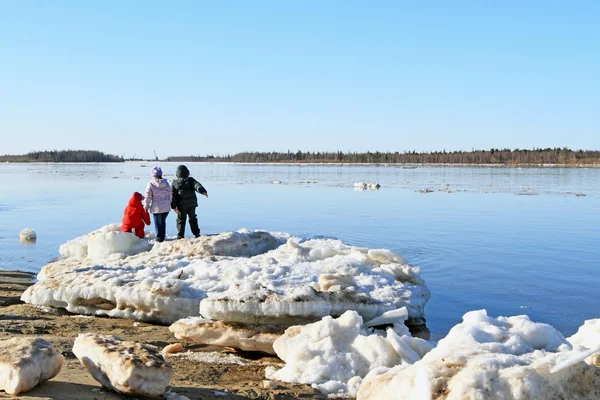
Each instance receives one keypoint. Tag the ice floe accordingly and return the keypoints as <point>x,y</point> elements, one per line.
<point>27,235</point>
<point>250,277</point>
<point>27,362</point>
<point>366,185</point>
<point>123,366</point>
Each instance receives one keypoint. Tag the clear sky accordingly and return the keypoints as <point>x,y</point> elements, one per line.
<point>199,77</point>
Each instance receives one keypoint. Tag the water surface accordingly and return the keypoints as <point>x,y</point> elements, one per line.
<point>510,240</point>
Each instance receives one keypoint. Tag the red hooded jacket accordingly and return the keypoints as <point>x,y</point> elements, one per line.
<point>135,215</point>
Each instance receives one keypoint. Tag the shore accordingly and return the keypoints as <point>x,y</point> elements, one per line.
<point>201,372</point>
<point>324,164</point>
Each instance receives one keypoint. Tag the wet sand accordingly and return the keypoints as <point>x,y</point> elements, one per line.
<point>193,377</point>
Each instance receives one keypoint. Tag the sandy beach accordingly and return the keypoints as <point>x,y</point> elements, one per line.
<point>231,374</point>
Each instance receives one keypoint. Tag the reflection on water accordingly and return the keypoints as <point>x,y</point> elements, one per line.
<point>479,241</point>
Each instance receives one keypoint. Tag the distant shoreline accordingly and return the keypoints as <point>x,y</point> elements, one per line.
<point>537,157</point>
<point>310,163</point>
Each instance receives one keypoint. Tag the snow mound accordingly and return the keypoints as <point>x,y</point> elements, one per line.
<point>27,362</point>
<point>489,358</point>
<point>333,355</point>
<point>104,242</point>
<point>126,367</point>
<point>27,235</point>
<point>251,277</point>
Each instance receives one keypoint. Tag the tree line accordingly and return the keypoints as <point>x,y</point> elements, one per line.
<point>562,156</point>
<point>63,156</point>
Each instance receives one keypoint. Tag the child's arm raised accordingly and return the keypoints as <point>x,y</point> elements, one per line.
<point>199,188</point>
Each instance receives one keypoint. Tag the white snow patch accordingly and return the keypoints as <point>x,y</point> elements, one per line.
<point>588,338</point>
<point>334,355</point>
<point>106,242</point>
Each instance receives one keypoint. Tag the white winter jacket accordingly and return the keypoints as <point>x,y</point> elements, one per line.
<point>157,198</point>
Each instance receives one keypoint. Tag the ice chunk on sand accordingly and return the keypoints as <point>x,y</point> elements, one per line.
<point>123,366</point>
<point>587,338</point>
<point>27,362</point>
<point>27,235</point>
<point>228,334</point>
<point>251,277</point>
<point>389,317</point>
<point>172,348</point>
<point>488,358</point>
<point>334,355</point>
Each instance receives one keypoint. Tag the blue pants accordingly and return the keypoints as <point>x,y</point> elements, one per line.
<point>160,225</point>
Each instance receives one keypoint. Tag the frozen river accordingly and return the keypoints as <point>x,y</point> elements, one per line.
<point>510,240</point>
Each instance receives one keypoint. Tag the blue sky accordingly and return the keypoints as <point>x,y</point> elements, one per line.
<point>221,77</point>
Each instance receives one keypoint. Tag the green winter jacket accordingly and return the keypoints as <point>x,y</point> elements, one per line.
<point>184,190</point>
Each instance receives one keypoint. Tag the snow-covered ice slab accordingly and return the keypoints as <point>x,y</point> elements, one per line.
<point>250,277</point>
<point>489,358</point>
<point>228,334</point>
<point>27,362</point>
<point>123,366</point>
<point>258,305</point>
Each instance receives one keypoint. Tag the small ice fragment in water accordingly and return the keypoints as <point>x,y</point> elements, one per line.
<point>27,235</point>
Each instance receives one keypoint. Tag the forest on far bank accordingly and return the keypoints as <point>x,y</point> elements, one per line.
<point>61,156</point>
<point>560,156</point>
<point>556,156</point>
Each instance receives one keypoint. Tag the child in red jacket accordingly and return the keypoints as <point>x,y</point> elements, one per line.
<point>135,216</point>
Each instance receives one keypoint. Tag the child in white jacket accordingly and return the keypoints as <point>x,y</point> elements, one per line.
<point>157,201</point>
